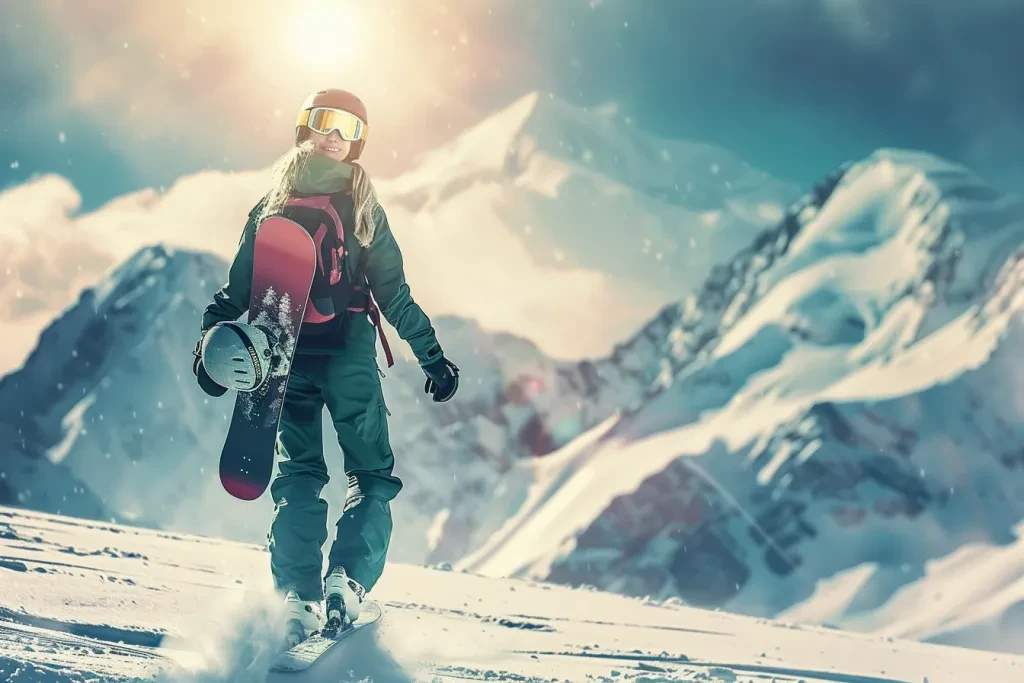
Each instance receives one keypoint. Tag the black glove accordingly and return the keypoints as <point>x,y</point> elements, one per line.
<point>442,379</point>
<point>206,383</point>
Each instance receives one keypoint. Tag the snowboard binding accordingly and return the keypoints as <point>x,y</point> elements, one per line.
<point>336,617</point>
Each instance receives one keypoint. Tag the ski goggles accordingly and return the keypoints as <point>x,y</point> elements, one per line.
<point>325,119</point>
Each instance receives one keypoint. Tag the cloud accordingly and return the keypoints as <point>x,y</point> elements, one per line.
<point>219,83</point>
<point>49,252</point>
<point>462,260</point>
<point>455,265</point>
<point>44,261</point>
<point>236,640</point>
<point>216,84</point>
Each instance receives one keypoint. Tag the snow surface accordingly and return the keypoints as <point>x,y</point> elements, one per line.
<point>974,597</point>
<point>847,391</point>
<point>85,601</point>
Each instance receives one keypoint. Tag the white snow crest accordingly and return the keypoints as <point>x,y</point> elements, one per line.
<point>233,642</point>
<point>143,605</point>
<point>238,639</point>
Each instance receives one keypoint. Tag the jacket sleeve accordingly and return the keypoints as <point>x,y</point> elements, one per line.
<point>232,299</point>
<point>385,272</point>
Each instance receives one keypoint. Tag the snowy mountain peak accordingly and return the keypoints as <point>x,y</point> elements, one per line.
<point>846,389</point>
<point>542,142</point>
<point>122,314</point>
<point>110,378</point>
<point>898,232</point>
<point>514,130</point>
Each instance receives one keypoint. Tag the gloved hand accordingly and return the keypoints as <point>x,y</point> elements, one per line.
<point>442,379</point>
<point>206,383</point>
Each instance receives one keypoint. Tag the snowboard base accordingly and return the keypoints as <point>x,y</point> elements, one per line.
<point>284,264</point>
<point>303,655</point>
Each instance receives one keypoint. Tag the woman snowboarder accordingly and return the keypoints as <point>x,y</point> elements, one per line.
<point>334,366</point>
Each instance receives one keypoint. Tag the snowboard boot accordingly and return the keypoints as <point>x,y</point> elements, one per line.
<point>303,617</point>
<point>344,599</point>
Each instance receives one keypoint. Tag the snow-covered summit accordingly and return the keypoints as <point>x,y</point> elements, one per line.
<point>540,140</point>
<point>575,220</point>
<point>845,390</point>
<point>109,386</point>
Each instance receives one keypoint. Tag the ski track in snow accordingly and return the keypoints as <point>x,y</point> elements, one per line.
<point>144,605</point>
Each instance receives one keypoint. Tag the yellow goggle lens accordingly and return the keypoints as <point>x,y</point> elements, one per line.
<point>324,120</point>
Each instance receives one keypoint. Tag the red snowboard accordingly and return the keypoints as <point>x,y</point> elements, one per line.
<point>284,263</point>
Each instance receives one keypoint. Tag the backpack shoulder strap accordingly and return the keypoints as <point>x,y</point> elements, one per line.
<point>323,203</point>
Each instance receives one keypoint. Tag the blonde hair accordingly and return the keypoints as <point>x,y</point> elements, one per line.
<point>290,165</point>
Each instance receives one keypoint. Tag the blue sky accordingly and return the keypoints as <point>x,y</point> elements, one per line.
<point>794,86</point>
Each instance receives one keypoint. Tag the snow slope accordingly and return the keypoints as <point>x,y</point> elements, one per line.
<point>974,598</point>
<point>82,601</point>
<point>846,390</point>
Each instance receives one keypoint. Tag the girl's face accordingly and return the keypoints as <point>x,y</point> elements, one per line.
<point>331,145</point>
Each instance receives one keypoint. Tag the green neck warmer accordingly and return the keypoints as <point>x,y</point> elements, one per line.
<point>321,175</point>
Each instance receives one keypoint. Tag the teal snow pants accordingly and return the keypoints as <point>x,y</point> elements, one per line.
<point>351,390</point>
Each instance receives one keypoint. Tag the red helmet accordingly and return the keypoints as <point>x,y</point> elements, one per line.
<point>320,110</point>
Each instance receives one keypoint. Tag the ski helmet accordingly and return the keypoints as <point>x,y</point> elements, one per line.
<point>237,355</point>
<point>334,98</point>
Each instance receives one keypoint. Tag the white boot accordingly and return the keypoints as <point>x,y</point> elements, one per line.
<point>303,617</point>
<point>344,599</point>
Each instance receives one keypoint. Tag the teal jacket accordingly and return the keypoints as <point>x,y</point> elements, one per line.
<point>381,262</point>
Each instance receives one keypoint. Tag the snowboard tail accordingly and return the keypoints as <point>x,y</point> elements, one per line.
<point>284,263</point>
<point>306,653</point>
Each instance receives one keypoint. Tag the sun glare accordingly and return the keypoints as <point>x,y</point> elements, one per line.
<point>329,34</point>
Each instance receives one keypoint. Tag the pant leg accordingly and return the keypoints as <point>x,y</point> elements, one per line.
<point>299,528</point>
<point>352,393</point>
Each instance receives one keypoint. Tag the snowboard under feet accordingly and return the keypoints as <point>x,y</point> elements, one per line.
<point>300,657</point>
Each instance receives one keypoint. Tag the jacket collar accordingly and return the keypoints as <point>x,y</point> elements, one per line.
<point>321,175</point>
